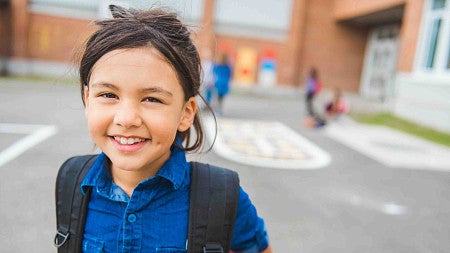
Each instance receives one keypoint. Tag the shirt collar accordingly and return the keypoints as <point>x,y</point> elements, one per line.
<point>174,170</point>
<point>98,174</point>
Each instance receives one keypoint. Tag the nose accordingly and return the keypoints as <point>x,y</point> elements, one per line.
<point>127,115</point>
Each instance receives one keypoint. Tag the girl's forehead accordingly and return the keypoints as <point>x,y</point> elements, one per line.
<point>147,58</point>
<point>138,54</point>
<point>143,64</point>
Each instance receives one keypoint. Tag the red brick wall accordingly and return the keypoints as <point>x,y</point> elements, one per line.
<point>292,52</point>
<point>19,27</point>
<point>316,39</point>
<point>337,51</point>
<point>205,37</point>
<point>409,35</point>
<point>346,9</point>
<point>286,52</point>
<point>5,30</point>
<point>56,38</point>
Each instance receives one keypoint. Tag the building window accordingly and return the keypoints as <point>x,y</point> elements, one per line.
<point>438,4</point>
<point>81,9</point>
<point>189,10</point>
<point>434,35</point>
<point>268,20</point>
<point>436,44</point>
<point>448,58</point>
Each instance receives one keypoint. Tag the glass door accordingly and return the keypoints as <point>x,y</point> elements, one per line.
<point>380,63</point>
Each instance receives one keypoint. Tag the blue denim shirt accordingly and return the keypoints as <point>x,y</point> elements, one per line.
<point>155,217</point>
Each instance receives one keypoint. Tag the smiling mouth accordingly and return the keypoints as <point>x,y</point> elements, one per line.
<point>128,141</point>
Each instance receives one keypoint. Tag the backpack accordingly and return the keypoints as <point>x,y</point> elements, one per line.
<point>214,193</point>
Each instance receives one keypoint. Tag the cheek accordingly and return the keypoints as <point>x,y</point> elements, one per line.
<point>97,122</point>
<point>163,127</point>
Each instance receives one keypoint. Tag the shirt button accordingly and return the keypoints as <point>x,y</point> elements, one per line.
<point>132,218</point>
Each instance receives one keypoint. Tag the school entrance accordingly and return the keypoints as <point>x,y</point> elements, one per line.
<point>380,63</point>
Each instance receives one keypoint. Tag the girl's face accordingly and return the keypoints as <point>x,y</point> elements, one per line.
<point>134,107</point>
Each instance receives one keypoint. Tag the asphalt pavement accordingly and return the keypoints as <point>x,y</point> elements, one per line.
<point>343,188</point>
<point>266,141</point>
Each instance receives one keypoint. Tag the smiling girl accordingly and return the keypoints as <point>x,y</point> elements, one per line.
<point>140,73</point>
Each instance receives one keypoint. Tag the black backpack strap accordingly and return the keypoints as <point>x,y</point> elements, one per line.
<point>71,204</point>
<point>214,196</point>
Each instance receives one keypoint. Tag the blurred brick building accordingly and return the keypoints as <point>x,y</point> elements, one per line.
<point>394,51</point>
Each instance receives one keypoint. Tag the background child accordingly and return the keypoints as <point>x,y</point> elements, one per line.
<point>208,75</point>
<point>222,73</point>
<point>337,106</point>
<point>313,87</point>
<point>140,73</point>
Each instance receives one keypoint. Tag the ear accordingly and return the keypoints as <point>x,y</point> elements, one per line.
<point>188,114</point>
<point>86,99</point>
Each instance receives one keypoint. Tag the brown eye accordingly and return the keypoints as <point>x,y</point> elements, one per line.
<point>152,100</point>
<point>108,95</point>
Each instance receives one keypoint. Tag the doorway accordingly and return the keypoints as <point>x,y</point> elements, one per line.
<point>380,63</point>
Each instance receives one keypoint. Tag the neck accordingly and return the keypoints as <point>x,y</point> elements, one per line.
<point>128,180</point>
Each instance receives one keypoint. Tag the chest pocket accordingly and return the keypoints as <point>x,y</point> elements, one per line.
<point>170,250</point>
<point>92,245</point>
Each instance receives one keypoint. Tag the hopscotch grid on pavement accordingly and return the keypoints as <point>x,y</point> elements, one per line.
<point>268,144</point>
<point>34,135</point>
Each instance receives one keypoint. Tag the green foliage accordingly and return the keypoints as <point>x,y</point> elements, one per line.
<point>389,120</point>
<point>42,78</point>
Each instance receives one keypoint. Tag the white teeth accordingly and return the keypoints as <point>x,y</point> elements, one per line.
<point>128,141</point>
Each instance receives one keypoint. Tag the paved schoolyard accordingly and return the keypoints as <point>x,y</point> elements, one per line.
<point>355,203</point>
<point>265,144</point>
<point>390,147</point>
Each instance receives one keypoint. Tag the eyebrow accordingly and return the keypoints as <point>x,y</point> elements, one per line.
<point>104,85</point>
<point>153,89</point>
<point>156,89</point>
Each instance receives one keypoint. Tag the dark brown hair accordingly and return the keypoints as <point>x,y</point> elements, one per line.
<point>156,28</point>
<point>313,73</point>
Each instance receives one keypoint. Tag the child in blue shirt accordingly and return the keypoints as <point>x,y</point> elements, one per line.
<point>140,73</point>
<point>222,73</point>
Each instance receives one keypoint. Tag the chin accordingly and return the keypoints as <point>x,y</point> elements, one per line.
<point>126,164</point>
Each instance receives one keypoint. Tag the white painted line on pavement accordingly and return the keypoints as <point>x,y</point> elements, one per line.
<point>348,197</point>
<point>268,144</point>
<point>393,209</point>
<point>35,135</point>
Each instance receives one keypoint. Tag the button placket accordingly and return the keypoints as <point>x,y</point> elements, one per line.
<point>132,218</point>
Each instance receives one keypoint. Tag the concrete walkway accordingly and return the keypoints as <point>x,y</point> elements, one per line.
<point>383,144</point>
<point>390,147</point>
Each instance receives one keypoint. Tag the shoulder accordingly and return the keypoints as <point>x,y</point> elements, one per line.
<point>245,205</point>
<point>249,231</point>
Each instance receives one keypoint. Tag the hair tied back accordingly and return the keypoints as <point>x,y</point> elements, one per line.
<point>118,11</point>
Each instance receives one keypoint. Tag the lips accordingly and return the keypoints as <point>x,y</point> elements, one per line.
<point>128,144</point>
<point>128,141</point>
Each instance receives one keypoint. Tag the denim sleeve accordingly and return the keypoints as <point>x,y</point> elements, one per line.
<point>249,233</point>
